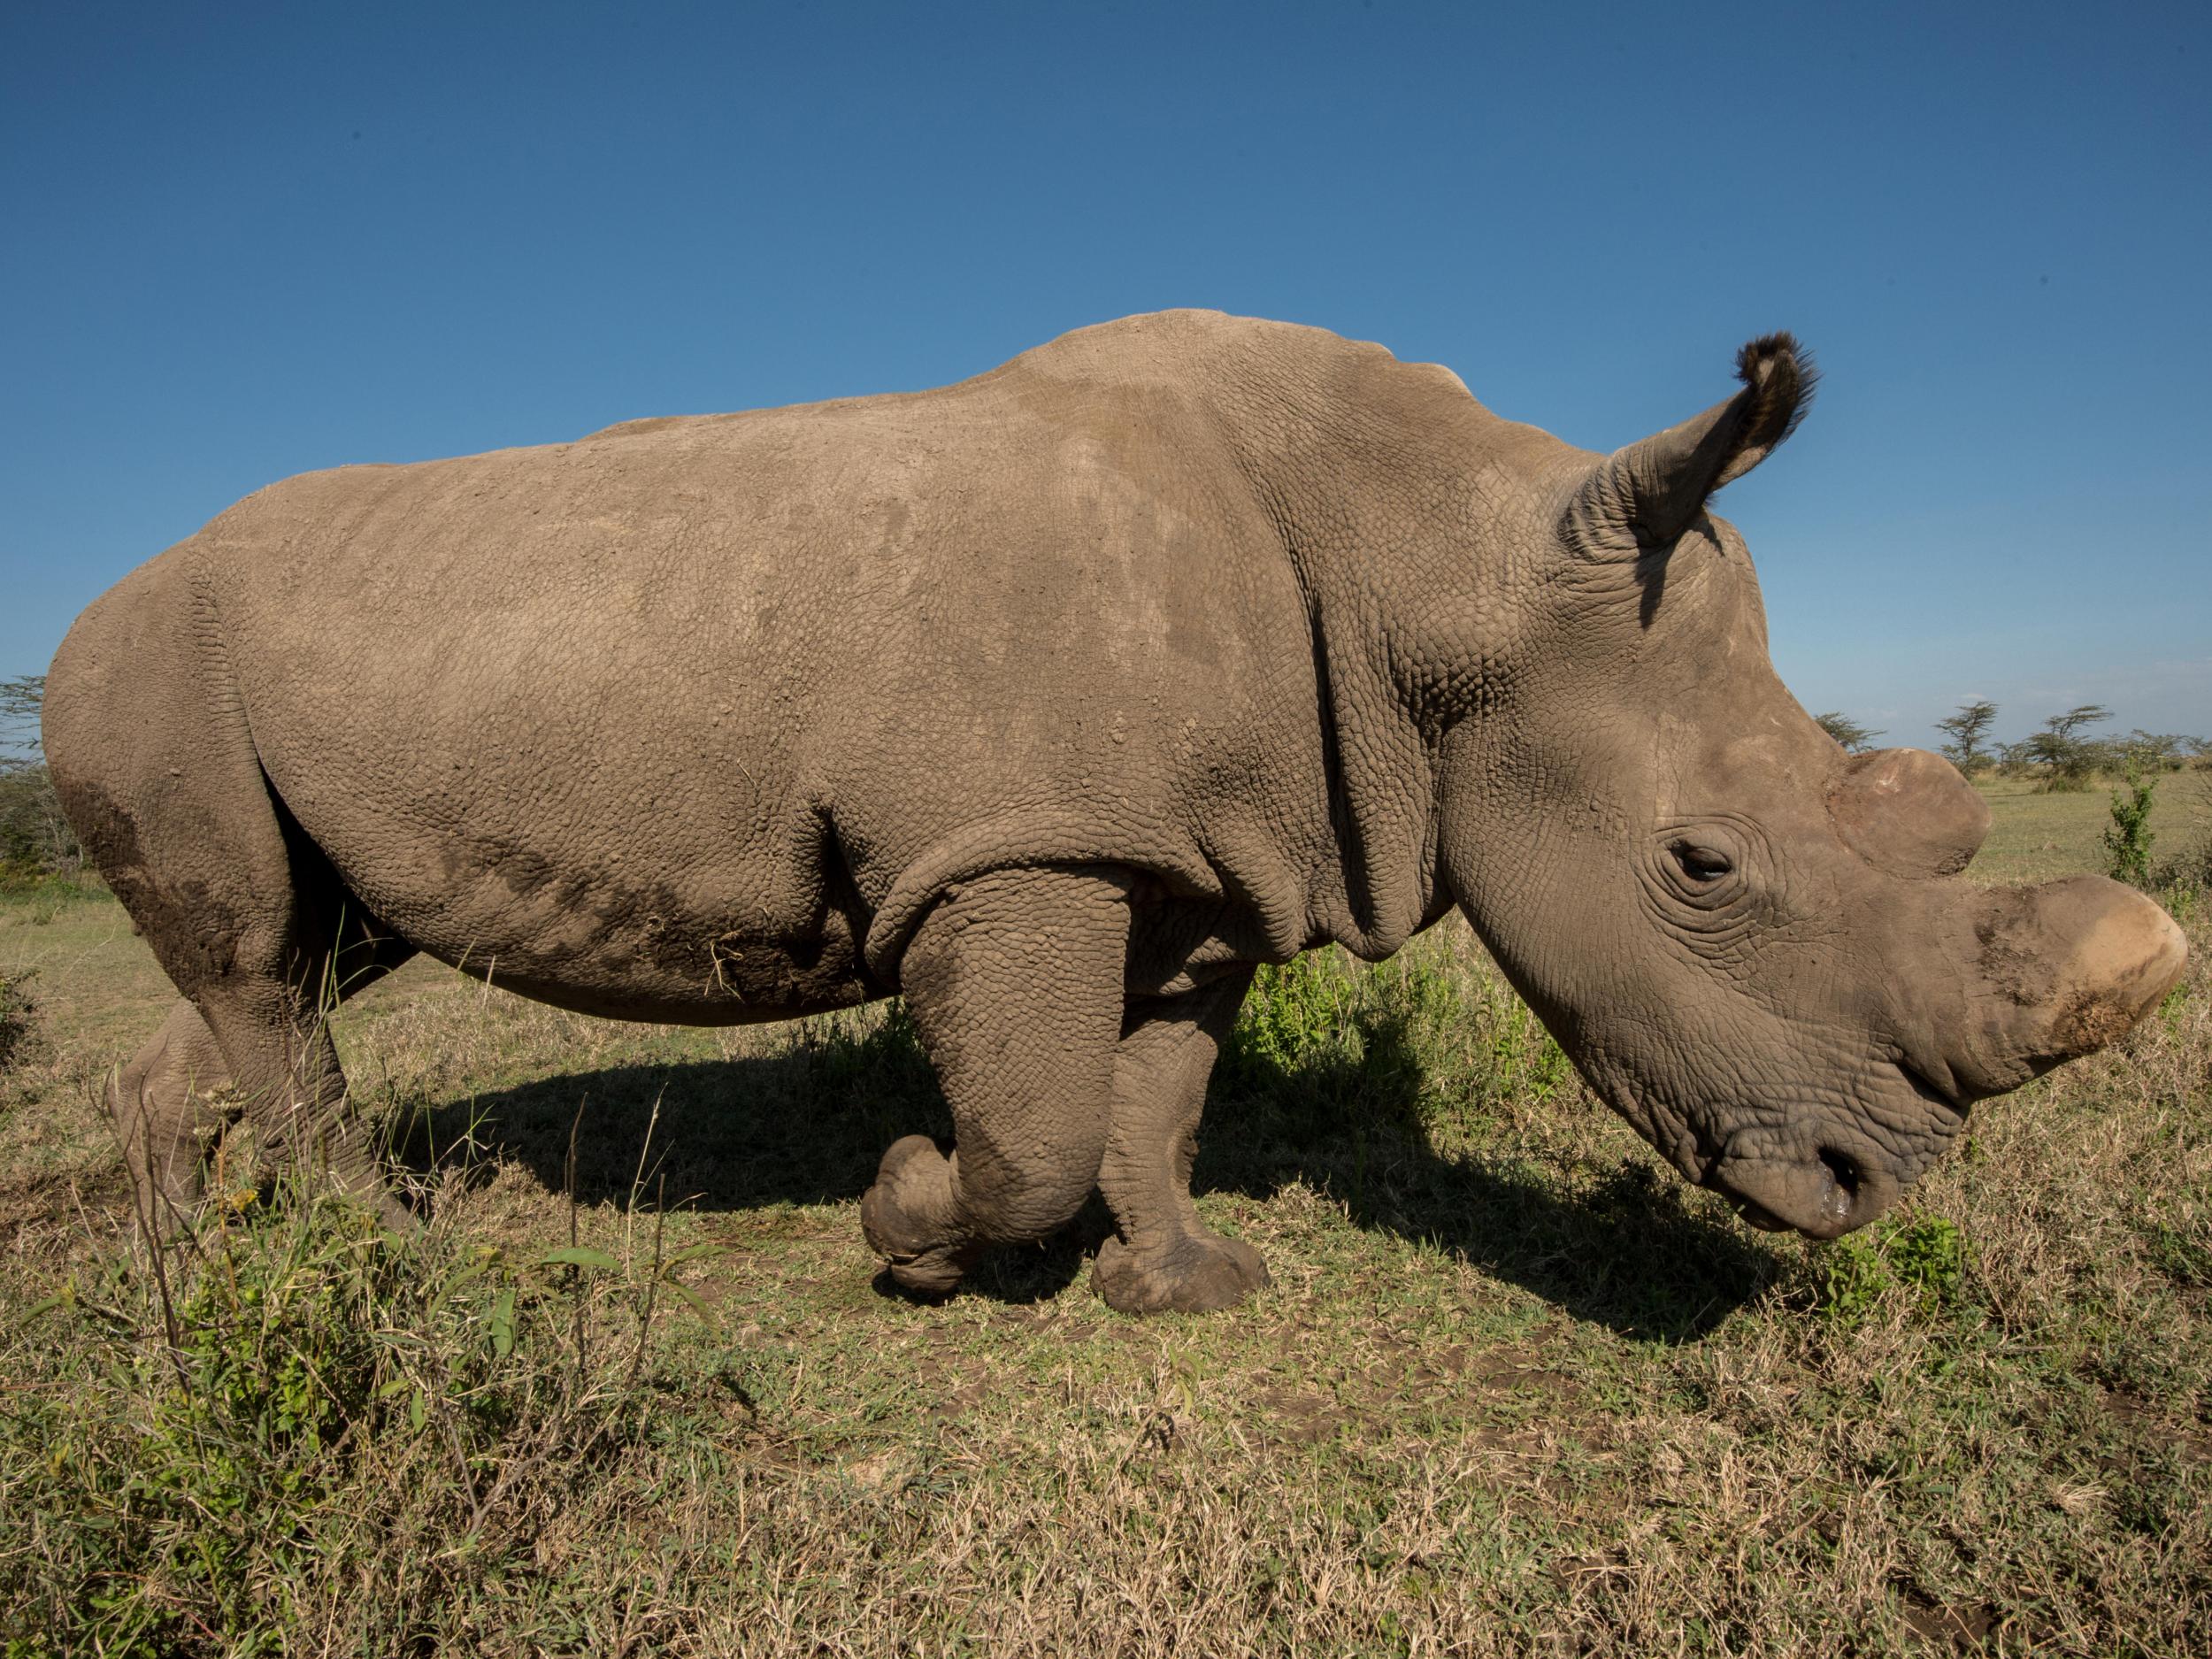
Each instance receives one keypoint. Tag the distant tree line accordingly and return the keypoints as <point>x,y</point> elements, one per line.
<point>2064,755</point>
<point>35,839</point>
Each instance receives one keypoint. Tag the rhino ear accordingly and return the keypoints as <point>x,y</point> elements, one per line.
<point>1649,493</point>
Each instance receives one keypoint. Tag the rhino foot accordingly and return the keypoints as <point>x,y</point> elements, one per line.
<point>910,1217</point>
<point>1198,1273</point>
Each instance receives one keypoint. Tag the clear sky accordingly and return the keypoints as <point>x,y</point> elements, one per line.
<point>238,243</point>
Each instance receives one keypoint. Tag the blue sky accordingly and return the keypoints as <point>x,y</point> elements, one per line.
<point>245,242</point>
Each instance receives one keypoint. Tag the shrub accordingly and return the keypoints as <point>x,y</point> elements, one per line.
<point>1294,1014</point>
<point>2186,874</point>
<point>1923,1259</point>
<point>1406,1042</point>
<point>35,839</point>
<point>2127,840</point>
<point>312,1399</point>
<point>16,1028</point>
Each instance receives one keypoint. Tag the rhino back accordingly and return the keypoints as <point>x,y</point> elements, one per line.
<point>621,711</point>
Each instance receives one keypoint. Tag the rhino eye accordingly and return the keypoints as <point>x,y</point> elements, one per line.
<point>1701,863</point>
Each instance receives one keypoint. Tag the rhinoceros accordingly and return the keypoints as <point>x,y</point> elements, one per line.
<point>1057,701</point>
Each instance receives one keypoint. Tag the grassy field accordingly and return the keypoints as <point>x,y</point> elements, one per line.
<point>2034,837</point>
<point>1514,1390</point>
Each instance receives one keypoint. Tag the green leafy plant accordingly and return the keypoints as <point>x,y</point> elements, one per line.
<point>1294,1013</point>
<point>35,839</point>
<point>294,1381</point>
<point>1524,1057</point>
<point>2127,840</point>
<point>1924,1259</point>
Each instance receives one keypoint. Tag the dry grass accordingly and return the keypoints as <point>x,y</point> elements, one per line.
<point>1514,1390</point>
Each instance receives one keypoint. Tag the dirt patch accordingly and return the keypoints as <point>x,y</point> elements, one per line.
<point>1301,1415</point>
<point>1960,1629</point>
<point>953,1387</point>
<point>2147,1423</point>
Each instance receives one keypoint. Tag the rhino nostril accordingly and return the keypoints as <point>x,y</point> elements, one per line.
<point>1845,1168</point>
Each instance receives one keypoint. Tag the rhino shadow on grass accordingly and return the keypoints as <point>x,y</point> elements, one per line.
<point>806,1125</point>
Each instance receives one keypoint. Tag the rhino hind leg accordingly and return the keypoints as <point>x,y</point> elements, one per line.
<point>172,1103</point>
<point>150,751</point>
<point>274,1026</point>
<point>1164,1257</point>
<point>157,1103</point>
<point>1014,981</point>
<point>257,1033</point>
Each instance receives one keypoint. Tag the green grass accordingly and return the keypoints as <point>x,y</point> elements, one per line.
<point>1514,1389</point>
<point>2034,837</point>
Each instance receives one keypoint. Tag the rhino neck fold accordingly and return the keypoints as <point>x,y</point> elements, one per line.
<point>1359,556</point>
<point>1371,892</point>
<point>1375,500</point>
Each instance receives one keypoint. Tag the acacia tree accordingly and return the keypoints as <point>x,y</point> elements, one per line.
<point>1968,728</point>
<point>1856,738</point>
<point>2065,755</point>
<point>2162,751</point>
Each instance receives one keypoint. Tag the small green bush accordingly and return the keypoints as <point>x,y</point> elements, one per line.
<point>1405,1042</point>
<point>299,1388</point>
<point>1294,1014</point>
<point>35,839</point>
<point>1524,1060</point>
<point>2127,840</point>
<point>2186,877</point>
<point>1923,1259</point>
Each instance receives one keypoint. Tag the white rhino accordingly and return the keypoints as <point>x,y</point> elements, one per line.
<point>1057,701</point>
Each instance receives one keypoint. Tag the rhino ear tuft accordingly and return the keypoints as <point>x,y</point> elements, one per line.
<point>1780,377</point>
<point>1649,493</point>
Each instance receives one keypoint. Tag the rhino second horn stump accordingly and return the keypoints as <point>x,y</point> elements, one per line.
<point>1910,813</point>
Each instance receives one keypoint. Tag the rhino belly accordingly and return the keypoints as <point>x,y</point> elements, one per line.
<point>626,889</point>
<point>684,948</point>
<point>684,972</point>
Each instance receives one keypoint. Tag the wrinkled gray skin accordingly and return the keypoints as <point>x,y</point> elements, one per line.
<point>1057,700</point>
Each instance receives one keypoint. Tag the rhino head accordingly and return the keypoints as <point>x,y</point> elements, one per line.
<point>1756,948</point>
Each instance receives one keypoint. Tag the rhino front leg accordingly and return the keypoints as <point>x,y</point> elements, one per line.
<point>1015,983</point>
<point>1164,1257</point>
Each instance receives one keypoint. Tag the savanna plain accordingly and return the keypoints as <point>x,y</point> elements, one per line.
<point>634,1388</point>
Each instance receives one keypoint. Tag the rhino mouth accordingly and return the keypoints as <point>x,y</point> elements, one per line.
<point>1756,1216</point>
<point>1822,1196</point>
<point>1835,1186</point>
